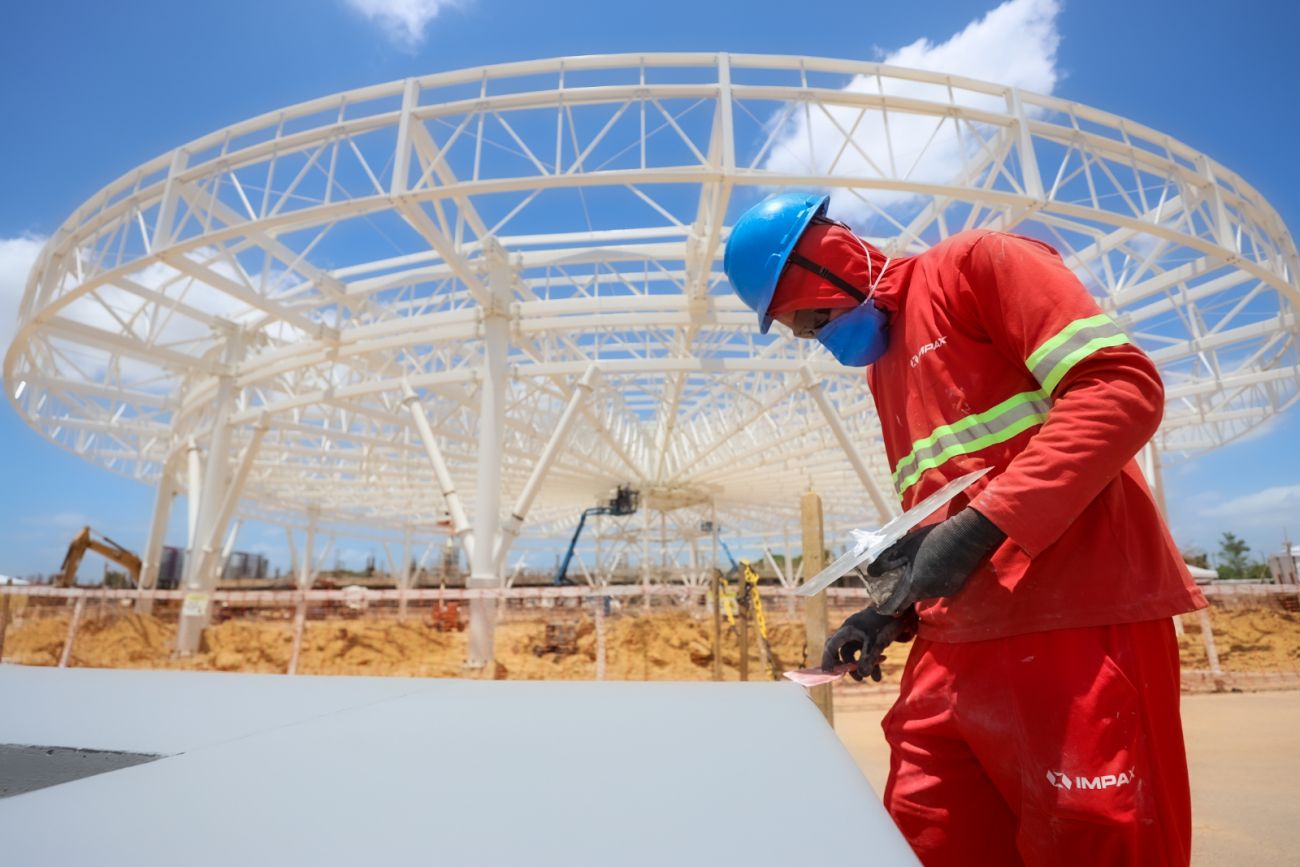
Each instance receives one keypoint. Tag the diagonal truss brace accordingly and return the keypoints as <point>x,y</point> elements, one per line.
<point>885,508</point>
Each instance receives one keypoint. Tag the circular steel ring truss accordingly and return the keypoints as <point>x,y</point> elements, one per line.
<point>528,257</point>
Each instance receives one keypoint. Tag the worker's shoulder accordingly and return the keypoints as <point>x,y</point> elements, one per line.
<point>961,244</point>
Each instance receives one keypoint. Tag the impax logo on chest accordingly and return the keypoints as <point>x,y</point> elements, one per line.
<point>929,347</point>
<point>1061,780</point>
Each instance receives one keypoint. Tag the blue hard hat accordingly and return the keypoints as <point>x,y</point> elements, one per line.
<point>761,242</point>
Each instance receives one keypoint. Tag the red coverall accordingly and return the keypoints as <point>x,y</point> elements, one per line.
<point>1038,718</point>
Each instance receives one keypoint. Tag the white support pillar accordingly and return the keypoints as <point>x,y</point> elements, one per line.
<point>695,554</point>
<point>404,573</point>
<point>1150,464</point>
<point>886,508</point>
<point>193,490</point>
<point>543,465</point>
<point>780,574</point>
<point>204,569</point>
<point>459,522</point>
<point>645,557</point>
<point>491,438</point>
<point>229,547</point>
<point>162,511</point>
<point>307,564</point>
<point>293,551</point>
<point>322,559</point>
<point>663,554</point>
<point>199,582</point>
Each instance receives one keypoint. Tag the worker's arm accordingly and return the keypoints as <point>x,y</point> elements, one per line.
<point>1106,396</point>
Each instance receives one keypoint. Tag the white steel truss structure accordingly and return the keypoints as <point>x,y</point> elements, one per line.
<point>484,296</point>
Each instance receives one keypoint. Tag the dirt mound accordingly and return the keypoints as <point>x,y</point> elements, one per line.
<point>389,647</point>
<point>36,640</point>
<point>662,645</point>
<point>1247,639</point>
<point>245,645</point>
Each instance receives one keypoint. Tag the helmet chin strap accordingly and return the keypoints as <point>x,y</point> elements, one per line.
<point>839,282</point>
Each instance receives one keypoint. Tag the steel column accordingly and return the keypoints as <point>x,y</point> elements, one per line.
<point>1152,469</point>
<point>307,565</point>
<point>199,582</point>
<point>487,501</point>
<point>543,465</point>
<point>459,522</point>
<point>193,490</point>
<point>162,510</point>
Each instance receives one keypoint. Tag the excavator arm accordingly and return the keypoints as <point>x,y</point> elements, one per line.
<point>84,541</point>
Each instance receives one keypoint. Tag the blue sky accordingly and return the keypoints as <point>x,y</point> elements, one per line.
<point>89,90</point>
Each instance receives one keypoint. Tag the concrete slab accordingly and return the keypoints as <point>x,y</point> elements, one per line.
<point>354,770</point>
<point>167,711</point>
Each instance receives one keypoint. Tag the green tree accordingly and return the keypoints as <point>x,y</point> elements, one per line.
<point>1259,571</point>
<point>1233,559</point>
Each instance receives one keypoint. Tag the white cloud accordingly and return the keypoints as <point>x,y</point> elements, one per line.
<point>1272,507</point>
<point>403,21</point>
<point>17,255</point>
<point>59,521</point>
<point>1014,44</point>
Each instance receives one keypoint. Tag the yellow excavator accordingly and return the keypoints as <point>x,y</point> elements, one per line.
<point>86,541</point>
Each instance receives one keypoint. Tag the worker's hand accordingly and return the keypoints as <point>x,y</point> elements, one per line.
<point>863,637</point>
<point>937,560</point>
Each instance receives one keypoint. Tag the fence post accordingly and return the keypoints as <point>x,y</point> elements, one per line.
<point>742,626</point>
<point>4,623</point>
<point>814,609</point>
<point>1211,652</point>
<point>299,620</point>
<point>72,631</point>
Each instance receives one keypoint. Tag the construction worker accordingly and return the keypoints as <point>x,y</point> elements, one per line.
<point>1037,721</point>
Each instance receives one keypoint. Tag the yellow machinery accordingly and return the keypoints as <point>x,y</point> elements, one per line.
<point>85,541</point>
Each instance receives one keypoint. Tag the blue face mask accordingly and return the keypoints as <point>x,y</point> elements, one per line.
<point>858,337</point>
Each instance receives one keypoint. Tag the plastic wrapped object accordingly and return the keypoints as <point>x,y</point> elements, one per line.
<point>810,677</point>
<point>870,544</point>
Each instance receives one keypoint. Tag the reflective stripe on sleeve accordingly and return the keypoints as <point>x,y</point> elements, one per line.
<point>970,434</point>
<point>1048,363</point>
<point>1073,343</point>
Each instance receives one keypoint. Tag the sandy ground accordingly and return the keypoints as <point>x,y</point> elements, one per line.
<point>1244,760</point>
<point>1263,641</point>
<point>665,645</point>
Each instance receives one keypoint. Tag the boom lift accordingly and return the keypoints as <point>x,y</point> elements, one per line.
<point>83,542</point>
<point>624,502</point>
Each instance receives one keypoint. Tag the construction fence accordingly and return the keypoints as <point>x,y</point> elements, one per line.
<point>1248,639</point>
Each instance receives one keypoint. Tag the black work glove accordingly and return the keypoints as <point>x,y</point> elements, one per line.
<point>863,637</point>
<point>936,560</point>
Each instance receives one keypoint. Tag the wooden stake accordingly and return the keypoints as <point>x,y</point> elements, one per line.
<point>4,623</point>
<point>1211,652</point>
<point>66,657</point>
<point>715,591</point>
<point>814,609</point>
<point>600,637</point>
<point>742,625</point>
